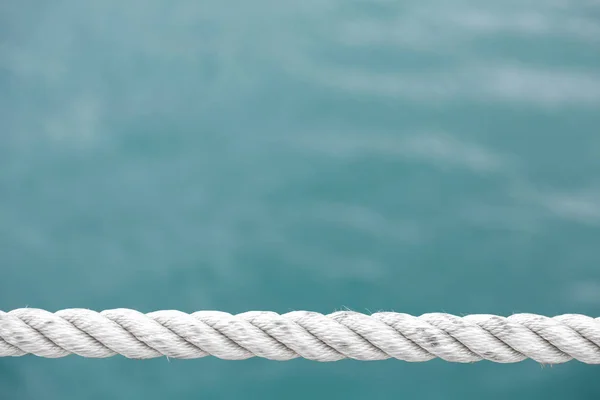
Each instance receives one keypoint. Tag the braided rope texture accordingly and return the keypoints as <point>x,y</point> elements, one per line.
<point>310,335</point>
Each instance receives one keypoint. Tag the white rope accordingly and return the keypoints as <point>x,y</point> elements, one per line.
<point>343,334</point>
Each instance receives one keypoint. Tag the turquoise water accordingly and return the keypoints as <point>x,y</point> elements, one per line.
<point>415,156</point>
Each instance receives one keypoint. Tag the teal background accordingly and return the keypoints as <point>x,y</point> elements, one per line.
<point>416,156</point>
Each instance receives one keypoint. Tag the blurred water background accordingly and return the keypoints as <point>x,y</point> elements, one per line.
<point>416,156</point>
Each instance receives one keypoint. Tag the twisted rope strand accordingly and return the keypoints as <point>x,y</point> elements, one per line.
<point>310,335</point>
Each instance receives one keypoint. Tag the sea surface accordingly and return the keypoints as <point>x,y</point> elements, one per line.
<point>415,156</point>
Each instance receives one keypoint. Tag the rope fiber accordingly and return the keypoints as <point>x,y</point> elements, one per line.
<point>310,335</point>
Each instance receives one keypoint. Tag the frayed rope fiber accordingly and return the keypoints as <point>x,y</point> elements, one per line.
<point>310,335</point>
